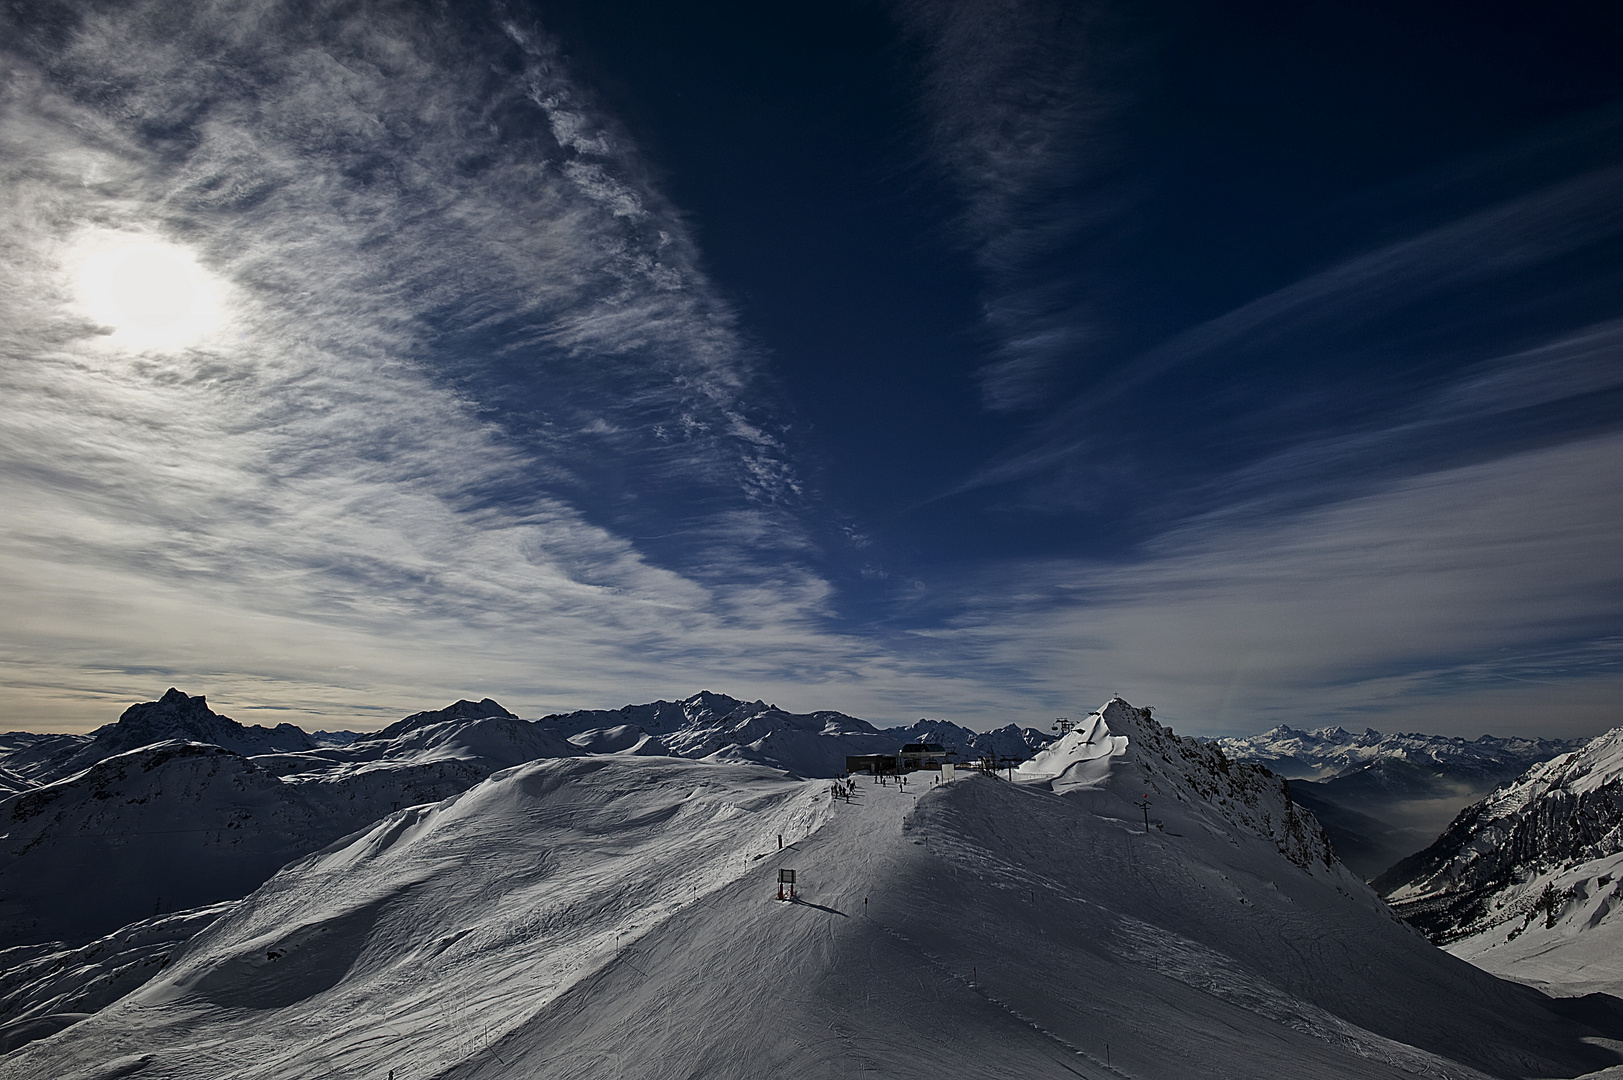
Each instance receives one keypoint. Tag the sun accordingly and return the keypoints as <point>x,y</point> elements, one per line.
<point>152,295</point>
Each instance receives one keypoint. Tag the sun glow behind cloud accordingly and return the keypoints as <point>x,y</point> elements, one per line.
<point>373,425</point>
<point>355,359</point>
<point>149,293</point>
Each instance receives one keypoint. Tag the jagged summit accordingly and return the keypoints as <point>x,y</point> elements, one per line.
<point>1009,742</point>
<point>459,710</point>
<point>1383,797</point>
<point>1121,755</point>
<point>178,715</point>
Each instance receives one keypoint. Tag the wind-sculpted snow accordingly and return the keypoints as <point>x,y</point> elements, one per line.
<point>620,739</point>
<point>1082,757</point>
<point>1527,881</point>
<point>614,916</point>
<point>478,896</point>
<point>1124,749</point>
<point>418,943</point>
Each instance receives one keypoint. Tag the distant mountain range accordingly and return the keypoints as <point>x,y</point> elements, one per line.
<point>1334,751</point>
<point>1528,882</point>
<point>1382,797</point>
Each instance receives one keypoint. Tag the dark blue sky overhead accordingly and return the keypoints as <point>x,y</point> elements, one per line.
<point>976,360</point>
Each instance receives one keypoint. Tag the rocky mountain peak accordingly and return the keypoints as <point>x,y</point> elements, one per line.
<point>457,710</point>
<point>178,715</point>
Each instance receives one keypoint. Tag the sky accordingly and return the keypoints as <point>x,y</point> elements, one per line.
<point>1259,362</point>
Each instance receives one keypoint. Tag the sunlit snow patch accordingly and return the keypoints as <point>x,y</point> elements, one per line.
<point>1080,759</point>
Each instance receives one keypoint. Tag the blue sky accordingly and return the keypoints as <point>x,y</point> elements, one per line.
<point>1259,362</point>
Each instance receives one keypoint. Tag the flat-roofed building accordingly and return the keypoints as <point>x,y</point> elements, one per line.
<point>923,755</point>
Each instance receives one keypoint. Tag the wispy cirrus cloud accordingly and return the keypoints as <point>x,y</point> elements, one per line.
<point>1481,598</point>
<point>1018,100</point>
<point>1329,315</point>
<point>1379,491</point>
<point>472,416</point>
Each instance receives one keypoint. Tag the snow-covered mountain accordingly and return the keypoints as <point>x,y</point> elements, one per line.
<point>1381,797</point>
<point>40,759</point>
<point>1184,772</point>
<point>178,824</point>
<point>715,727</point>
<point>1334,751</point>
<point>334,738</point>
<point>1005,744</point>
<point>181,716</point>
<point>615,915</point>
<point>29,760</point>
<point>188,821</point>
<point>459,710</point>
<point>1528,881</point>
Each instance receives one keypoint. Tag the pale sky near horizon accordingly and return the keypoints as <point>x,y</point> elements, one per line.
<point>968,360</point>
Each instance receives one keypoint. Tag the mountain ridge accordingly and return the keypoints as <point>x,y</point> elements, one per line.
<point>1528,880</point>
<point>616,915</point>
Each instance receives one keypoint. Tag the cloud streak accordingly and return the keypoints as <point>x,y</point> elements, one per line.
<point>1322,315</point>
<point>1408,606</point>
<point>468,356</point>
<point>1018,100</point>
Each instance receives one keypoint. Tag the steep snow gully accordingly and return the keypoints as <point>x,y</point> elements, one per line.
<point>616,916</point>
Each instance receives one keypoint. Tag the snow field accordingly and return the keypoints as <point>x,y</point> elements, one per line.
<point>614,916</point>
<point>414,945</point>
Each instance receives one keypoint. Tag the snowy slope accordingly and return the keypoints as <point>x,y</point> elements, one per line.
<point>30,760</point>
<point>613,916</point>
<point>11,782</point>
<point>1527,882</point>
<point>452,920</point>
<point>485,744</point>
<point>179,825</point>
<point>45,988</point>
<point>1122,751</point>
